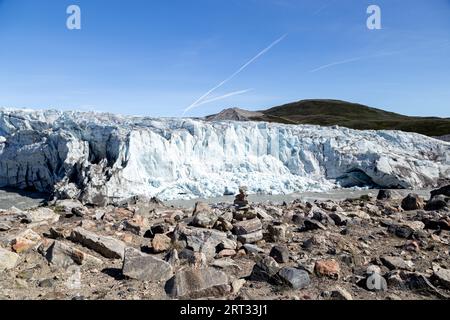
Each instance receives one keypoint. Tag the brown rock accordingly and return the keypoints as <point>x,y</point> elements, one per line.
<point>161,243</point>
<point>328,268</point>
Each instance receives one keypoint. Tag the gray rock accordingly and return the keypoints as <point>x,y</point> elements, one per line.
<point>442,276</point>
<point>198,283</point>
<point>251,237</point>
<point>107,246</point>
<point>8,259</point>
<point>396,263</point>
<point>204,217</point>
<point>247,227</point>
<point>63,255</point>
<point>294,278</point>
<point>277,233</point>
<point>44,214</point>
<point>264,269</point>
<point>139,266</point>
<point>199,239</point>
<point>280,254</point>
<point>251,248</point>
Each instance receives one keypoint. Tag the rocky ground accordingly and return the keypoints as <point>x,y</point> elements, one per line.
<point>373,247</point>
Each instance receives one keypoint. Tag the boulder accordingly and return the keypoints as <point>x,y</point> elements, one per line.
<point>294,278</point>
<point>198,283</point>
<point>247,227</point>
<point>139,266</point>
<point>412,202</point>
<point>264,270</point>
<point>63,255</point>
<point>438,202</point>
<point>199,239</point>
<point>204,217</point>
<point>396,263</point>
<point>108,247</point>
<point>161,243</point>
<point>8,259</point>
<point>442,277</point>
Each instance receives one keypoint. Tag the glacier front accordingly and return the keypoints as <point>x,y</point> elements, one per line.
<point>100,157</point>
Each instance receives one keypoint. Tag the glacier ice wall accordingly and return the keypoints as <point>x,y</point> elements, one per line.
<point>95,156</point>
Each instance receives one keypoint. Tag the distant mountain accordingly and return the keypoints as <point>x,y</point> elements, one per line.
<point>341,113</point>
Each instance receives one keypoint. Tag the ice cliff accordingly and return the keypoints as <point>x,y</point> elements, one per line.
<point>95,156</point>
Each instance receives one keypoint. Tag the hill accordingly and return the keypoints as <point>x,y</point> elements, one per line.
<point>341,113</point>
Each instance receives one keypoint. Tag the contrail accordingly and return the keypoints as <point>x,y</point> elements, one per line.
<point>234,74</point>
<point>353,60</point>
<point>231,94</point>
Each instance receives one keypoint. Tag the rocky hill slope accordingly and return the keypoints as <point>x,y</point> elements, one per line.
<point>342,113</point>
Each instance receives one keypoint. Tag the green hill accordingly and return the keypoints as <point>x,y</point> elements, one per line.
<point>351,115</point>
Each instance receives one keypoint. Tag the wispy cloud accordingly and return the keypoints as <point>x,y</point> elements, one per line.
<point>196,103</point>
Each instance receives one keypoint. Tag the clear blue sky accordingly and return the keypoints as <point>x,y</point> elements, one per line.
<point>156,57</point>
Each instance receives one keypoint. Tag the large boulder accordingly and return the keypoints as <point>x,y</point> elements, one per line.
<point>108,247</point>
<point>8,259</point>
<point>140,266</point>
<point>412,202</point>
<point>198,283</point>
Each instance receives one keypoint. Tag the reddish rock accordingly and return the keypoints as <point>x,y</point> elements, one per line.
<point>328,268</point>
<point>161,243</point>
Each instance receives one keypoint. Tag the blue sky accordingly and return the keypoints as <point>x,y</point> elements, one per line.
<point>156,57</point>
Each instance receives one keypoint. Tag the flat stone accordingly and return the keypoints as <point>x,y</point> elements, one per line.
<point>396,263</point>
<point>139,266</point>
<point>247,227</point>
<point>198,283</point>
<point>251,248</point>
<point>106,246</point>
<point>44,214</point>
<point>251,237</point>
<point>8,259</point>
<point>63,255</point>
<point>294,278</point>
<point>280,254</point>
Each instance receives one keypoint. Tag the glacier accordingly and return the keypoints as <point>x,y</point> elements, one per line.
<point>100,157</point>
